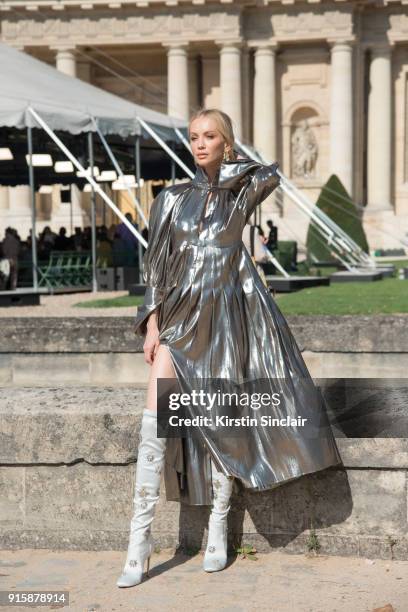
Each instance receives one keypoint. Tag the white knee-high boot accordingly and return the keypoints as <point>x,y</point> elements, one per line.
<point>215,557</point>
<point>150,462</point>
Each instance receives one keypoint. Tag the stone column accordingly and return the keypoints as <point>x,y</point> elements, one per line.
<point>177,81</point>
<point>4,198</point>
<point>246,86</point>
<point>20,200</point>
<point>193,84</point>
<point>341,113</point>
<point>65,61</point>
<point>379,130</point>
<point>210,79</point>
<point>230,83</point>
<point>18,214</point>
<point>265,131</point>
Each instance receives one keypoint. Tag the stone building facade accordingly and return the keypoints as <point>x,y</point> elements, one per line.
<point>320,86</point>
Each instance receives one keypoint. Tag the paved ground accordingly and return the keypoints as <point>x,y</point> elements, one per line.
<point>62,305</point>
<point>276,582</point>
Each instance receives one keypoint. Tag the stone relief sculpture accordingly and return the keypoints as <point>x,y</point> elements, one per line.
<point>304,150</point>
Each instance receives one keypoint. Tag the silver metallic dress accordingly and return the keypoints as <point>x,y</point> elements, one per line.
<point>218,320</point>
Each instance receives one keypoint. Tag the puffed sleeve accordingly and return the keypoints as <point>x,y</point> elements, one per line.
<point>263,181</point>
<point>154,260</point>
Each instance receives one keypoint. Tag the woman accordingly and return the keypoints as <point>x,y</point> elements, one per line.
<point>206,315</point>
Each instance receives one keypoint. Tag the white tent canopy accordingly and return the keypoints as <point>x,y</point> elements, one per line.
<point>36,94</point>
<point>67,103</point>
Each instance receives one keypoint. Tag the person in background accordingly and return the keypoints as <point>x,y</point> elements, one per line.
<point>87,238</point>
<point>25,262</point>
<point>11,250</point>
<point>145,234</point>
<point>62,242</point>
<point>272,242</point>
<point>118,250</point>
<point>125,233</point>
<point>129,241</point>
<point>111,231</point>
<point>104,248</point>
<point>255,245</point>
<point>4,270</point>
<point>77,239</point>
<point>262,236</point>
<point>45,243</point>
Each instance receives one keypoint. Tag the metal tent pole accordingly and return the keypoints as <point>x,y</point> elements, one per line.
<point>93,213</point>
<point>138,191</point>
<point>173,167</point>
<point>71,211</point>
<point>183,139</point>
<point>118,168</point>
<point>33,208</point>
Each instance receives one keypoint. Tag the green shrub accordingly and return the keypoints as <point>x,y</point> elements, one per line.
<point>285,253</point>
<point>336,203</point>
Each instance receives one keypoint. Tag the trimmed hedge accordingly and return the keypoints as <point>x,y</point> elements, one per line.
<point>336,203</point>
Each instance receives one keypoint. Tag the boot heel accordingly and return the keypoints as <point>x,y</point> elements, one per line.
<point>148,565</point>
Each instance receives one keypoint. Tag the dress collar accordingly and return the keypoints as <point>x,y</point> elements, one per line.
<point>201,178</point>
<point>229,175</point>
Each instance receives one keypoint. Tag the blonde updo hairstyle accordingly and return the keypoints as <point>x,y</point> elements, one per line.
<point>224,125</point>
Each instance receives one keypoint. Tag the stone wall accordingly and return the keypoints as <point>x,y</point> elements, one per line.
<point>104,350</point>
<point>68,452</point>
<point>67,465</point>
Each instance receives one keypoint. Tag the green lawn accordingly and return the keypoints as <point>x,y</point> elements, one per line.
<point>385,296</point>
<point>126,300</point>
<point>389,295</point>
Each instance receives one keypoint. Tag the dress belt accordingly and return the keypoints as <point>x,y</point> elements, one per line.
<point>214,246</point>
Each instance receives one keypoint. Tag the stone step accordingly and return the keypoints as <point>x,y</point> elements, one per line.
<point>67,423</point>
<point>67,469</point>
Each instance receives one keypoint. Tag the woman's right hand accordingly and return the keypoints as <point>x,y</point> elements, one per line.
<point>152,342</point>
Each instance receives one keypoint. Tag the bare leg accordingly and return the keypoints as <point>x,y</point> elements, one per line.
<point>162,367</point>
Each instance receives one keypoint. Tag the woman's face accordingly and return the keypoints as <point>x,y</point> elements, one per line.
<point>207,142</point>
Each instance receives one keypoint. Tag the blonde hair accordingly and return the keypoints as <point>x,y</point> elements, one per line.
<point>224,125</point>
